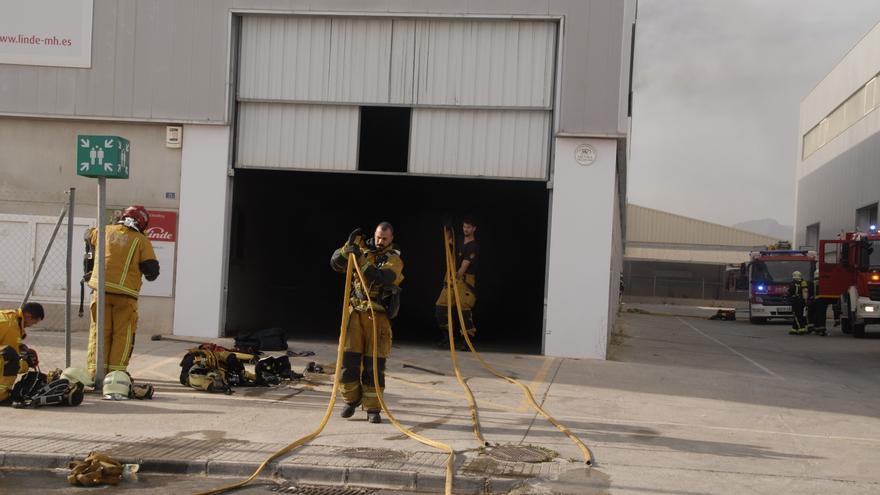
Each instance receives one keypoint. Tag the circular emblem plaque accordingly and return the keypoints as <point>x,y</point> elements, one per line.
<point>585,154</point>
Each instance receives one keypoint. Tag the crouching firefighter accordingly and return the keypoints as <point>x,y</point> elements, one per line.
<point>382,267</point>
<point>15,357</point>
<point>128,255</point>
<point>798,295</point>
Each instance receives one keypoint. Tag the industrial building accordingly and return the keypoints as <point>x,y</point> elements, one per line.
<point>264,131</point>
<point>670,257</point>
<point>838,181</point>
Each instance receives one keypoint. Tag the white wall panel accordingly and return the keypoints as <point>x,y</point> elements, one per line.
<point>494,143</point>
<point>483,63</point>
<point>297,136</point>
<point>315,59</point>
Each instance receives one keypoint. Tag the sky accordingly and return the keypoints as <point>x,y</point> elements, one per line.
<point>717,86</point>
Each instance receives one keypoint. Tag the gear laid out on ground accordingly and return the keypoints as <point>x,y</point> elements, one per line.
<point>213,368</point>
<point>96,469</point>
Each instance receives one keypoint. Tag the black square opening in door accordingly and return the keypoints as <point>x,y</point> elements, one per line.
<point>384,139</point>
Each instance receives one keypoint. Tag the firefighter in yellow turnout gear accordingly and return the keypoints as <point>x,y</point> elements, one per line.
<point>128,255</point>
<point>798,295</point>
<point>382,267</point>
<point>15,357</point>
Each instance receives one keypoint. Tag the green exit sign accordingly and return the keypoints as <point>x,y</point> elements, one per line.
<point>102,156</point>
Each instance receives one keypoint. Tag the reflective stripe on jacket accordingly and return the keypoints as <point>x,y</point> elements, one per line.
<point>125,250</point>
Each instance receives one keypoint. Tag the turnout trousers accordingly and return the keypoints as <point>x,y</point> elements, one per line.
<point>357,385</point>
<point>468,301</point>
<point>120,326</point>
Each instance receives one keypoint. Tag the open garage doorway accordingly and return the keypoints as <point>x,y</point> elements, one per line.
<point>285,226</point>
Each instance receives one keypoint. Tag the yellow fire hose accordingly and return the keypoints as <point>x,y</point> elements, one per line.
<point>475,415</point>
<point>450,264</point>
<point>352,266</point>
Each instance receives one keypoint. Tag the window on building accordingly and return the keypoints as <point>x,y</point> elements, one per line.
<point>383,145</point>
<point>850,111</point>
<point>812,237</point>
<point>866,217</point>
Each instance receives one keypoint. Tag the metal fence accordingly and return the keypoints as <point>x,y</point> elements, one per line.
<point>37,264</point>
<point>699,288</point>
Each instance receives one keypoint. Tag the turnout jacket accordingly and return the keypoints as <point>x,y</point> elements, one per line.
<point>128,255</point>
<point>383,271</point>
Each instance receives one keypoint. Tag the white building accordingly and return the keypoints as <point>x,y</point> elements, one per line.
<point>838,180</point>
<point>302,120</point>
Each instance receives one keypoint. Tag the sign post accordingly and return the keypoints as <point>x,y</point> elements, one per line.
<point>101,157</point>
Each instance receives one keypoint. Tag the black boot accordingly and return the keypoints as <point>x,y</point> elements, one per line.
<point>374,417</point>
<point>349,409</point>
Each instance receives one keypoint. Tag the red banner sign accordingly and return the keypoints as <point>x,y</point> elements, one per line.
<point>163,226</point>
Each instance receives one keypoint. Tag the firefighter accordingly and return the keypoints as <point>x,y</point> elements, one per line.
<point>379,260</point>
<point>798,295</point>
<point>467,254</point>
<point>128,255</point>
<point>15,357</point>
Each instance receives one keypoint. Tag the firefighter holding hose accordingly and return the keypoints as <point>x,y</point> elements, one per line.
<point>382,266</point>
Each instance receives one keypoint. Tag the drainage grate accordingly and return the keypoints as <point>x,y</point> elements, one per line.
<point>373,454</point>
<point>323,490</point>
<point>517,453</point>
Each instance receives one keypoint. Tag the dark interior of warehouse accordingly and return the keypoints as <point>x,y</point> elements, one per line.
<point>285,226</point>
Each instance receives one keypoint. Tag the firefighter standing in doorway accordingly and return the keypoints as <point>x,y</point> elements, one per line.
<point>798,295</point>
<point>382,267</point>
<point>128,255</point>
<point>466,256</point>
<point>15,357</point>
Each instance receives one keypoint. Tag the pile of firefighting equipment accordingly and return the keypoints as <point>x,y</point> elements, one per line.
<point>213,368</point>
<point>96,469</point>
<point>57,388</point>
<point>724,314</point>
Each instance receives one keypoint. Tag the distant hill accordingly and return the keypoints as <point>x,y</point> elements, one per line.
<point>768,227</point>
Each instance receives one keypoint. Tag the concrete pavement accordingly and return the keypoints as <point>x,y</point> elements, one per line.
<point>684,405</point>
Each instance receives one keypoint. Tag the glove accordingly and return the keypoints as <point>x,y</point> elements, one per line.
<point>29,356</point>
<point>355,234</point>
<point>352,249</point>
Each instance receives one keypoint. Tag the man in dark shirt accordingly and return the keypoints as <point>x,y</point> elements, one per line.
<point>467,255</point>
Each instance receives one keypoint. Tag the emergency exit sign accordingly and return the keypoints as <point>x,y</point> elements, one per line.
<point>102,156</point>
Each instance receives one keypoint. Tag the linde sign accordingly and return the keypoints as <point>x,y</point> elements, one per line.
<point>102,156</point>
<point>56,33</point>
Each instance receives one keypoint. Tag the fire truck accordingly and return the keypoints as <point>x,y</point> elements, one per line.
<point>768,275</point>
<point>849,274</point>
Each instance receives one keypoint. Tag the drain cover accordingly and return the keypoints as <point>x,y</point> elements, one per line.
<point>373,454</point>
<point>323,490</point>
<point>517,453</point>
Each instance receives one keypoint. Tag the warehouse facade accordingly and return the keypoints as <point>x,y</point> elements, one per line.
<point>838,183</point>
<point>298,121</point>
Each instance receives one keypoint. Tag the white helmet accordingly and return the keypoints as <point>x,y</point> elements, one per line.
<point>796,275</point>
<point>78,375</point>
<point>117,386</point>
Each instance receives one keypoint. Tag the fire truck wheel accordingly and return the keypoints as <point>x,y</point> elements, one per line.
<point>858,330</point>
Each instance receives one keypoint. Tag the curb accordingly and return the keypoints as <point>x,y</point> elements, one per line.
<point>292,472</point>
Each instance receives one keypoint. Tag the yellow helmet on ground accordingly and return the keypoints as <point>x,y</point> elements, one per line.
<point>78,375</point>
<point>117,386</point>
<point>796,275</point>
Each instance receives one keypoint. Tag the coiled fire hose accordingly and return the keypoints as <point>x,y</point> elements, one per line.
<point>449,239</point>
<point>351,267</point>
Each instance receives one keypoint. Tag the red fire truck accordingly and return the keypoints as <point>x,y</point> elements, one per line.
<point>769,274</point>
<point>849,273</point>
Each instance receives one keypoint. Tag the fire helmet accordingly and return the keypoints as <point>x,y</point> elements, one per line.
<point>74,375</point>
<point>138,215</point>
<point>117,386</point>
<point>796,275</point>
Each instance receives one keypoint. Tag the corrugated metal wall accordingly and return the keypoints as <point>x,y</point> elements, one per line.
<point>647,225</point>
<point>481,91</point>
<point>494,143</point>
<point>297,136</point>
